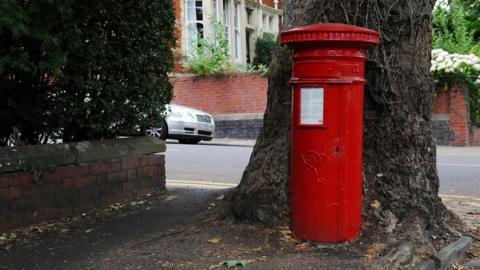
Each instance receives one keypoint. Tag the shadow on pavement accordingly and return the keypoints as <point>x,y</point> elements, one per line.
<point>182,228</point>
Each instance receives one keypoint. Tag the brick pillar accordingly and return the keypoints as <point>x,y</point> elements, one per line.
<point>459,115</point>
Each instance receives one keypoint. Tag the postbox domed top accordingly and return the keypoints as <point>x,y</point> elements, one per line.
<point>330,33</point>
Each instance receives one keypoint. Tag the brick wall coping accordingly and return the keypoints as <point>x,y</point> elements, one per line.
<point>189,76</point>
<point>440,116</point>
<point>49,156</point>
<point>238,116</point>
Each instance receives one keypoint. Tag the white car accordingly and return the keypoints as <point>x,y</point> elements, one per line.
<point>187,125</point>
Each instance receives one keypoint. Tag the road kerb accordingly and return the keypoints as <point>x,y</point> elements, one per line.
<point>199,184</point>
<point>459,197</point>
<point>448,255</point>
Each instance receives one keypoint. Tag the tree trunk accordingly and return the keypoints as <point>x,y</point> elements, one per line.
<point>400,176</point>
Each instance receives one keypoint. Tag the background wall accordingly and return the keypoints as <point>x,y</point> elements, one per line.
<point>237,102</point>
<point>450,119</point>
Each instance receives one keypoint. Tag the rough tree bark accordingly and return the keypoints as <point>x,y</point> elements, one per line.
<point>400,177</point>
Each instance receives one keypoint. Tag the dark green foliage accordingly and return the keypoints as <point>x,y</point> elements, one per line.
<point>473,16</point>
<point>451,30</point>
<point>474,105</point>
<point>456,29</point>
<point>83,69</point>
<point>263,50</point>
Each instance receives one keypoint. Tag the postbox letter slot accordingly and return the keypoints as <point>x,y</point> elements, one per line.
<point>312,106</point>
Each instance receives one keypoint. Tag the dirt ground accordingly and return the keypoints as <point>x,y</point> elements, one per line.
<point>186,229</point>
<point>468,209</point>
<point>177,229</point>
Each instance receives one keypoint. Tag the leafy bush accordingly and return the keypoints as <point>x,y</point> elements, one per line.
<point>472,8</point>
<point>83,69</point>
<point>450,28</point>
<point>263,50</point>
<point>211,56</point>
<point>456,38</point>
<point>260,69</point>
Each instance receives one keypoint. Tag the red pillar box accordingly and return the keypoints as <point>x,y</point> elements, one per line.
<point>328,78</point>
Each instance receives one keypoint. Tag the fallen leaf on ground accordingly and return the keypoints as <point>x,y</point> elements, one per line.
<point>8,247</point>
<point>302,247</point>
<point>287,236</point>
<point>234,263</point>
<point>117,206</point>
<point>250,250</point>
<point>215,240</point>
<point>375,250</point>
<point>169,198</point>
<point>137,203</point>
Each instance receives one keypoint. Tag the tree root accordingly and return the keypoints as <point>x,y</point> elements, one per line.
<point>410,242</point>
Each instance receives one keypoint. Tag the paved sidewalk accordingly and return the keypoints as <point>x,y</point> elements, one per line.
<point>224,142</point>
<point>464,150</point>
<point>445,150</point>
<point>181,229</point>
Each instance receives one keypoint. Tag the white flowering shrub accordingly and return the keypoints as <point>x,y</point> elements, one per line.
<point>455,68</point>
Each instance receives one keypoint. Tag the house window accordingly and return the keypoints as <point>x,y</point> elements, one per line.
<point>238,41</point>
<point>194,22</point>
<point>270,23</point>
<point>215,10</point>
<point>226,18</point>
<point>249,15</point>
<point>265,21</point>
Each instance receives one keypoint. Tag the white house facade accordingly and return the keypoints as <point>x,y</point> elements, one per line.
<point>244,21</point>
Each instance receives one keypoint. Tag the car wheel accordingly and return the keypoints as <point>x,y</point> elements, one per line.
<point>160,133</point>
<point>188,141</point>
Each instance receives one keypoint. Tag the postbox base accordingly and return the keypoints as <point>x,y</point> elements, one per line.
<point>323,237</point>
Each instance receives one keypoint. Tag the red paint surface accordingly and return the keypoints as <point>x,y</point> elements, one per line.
<point>326,160</point>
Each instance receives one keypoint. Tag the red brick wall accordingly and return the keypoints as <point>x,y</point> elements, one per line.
<point>242,93</point>
<point>459,115</point>
<point>475,136</point>
<point>442,101</point>
<point>28,197</point>
<point>452,102</point>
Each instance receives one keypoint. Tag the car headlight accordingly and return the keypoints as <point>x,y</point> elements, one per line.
<point>190,116</point>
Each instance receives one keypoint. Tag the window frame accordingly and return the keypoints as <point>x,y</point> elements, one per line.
<point>190,39</point>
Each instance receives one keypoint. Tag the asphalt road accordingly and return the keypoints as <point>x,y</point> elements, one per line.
<point>458,168</point>
<point>210,163</point>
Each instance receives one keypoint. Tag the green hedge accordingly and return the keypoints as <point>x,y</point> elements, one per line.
<point>83,70</point>
<point>263,50</point>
